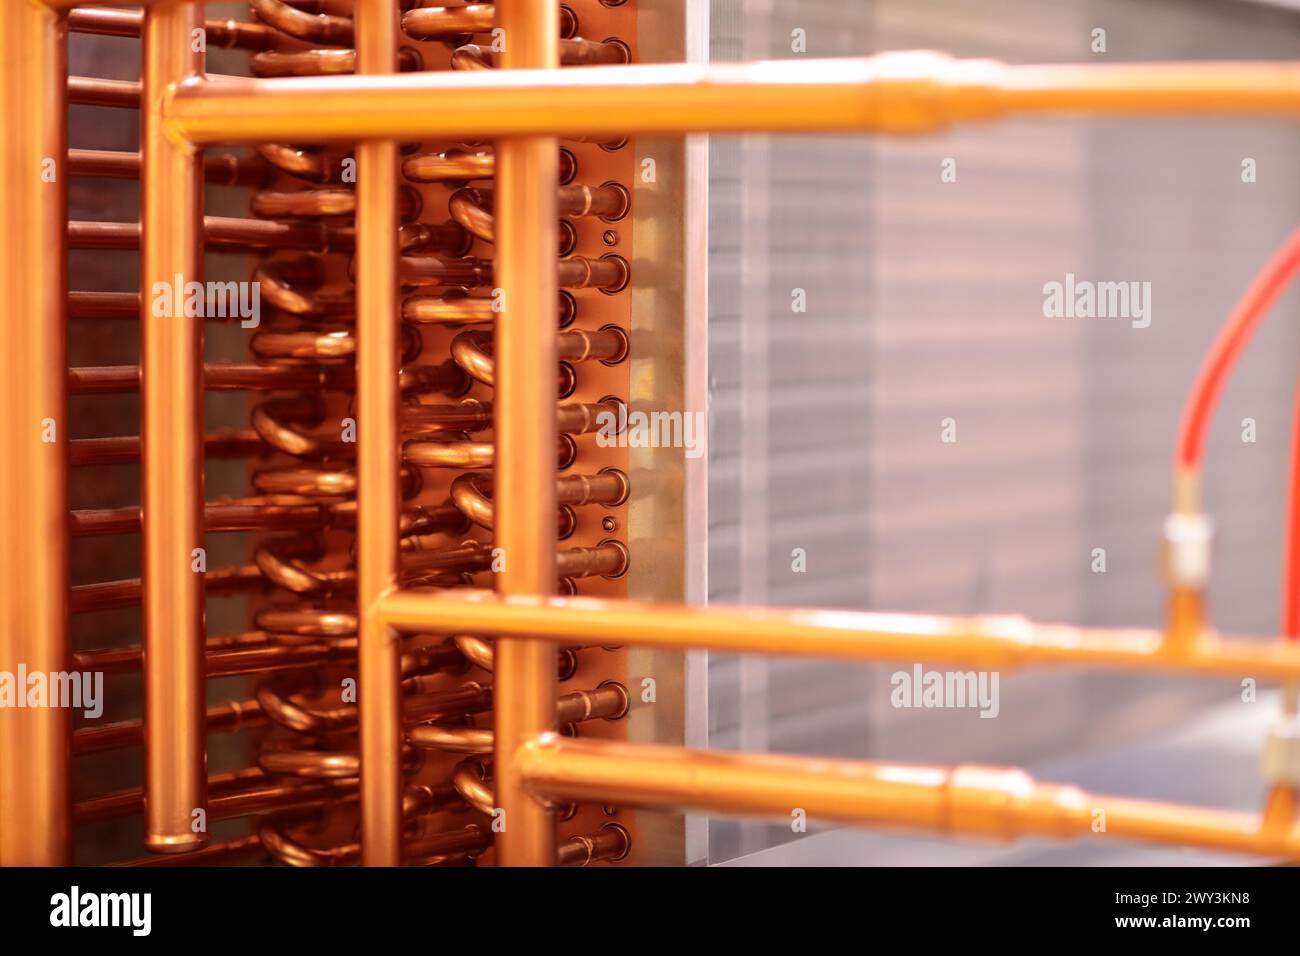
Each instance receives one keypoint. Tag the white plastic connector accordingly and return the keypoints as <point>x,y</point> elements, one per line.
<point>1187,545</point>
<point>1281,760</point>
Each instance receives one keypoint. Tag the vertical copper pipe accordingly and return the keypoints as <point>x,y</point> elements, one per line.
<point>378,492</point>
<point>34,743</point>
<point>526,272</point>
<point>171,385</point>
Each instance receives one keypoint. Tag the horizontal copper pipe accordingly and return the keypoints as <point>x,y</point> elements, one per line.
<point>891,92</point>
<point>441,23</point>
<point>219,516</point>
<point>321,62</point>
<point>226,658</point>
<point>221,718</point>
<point>223,853</point>
<point>448,453</point>
<point>226,34</point>
<point>325,201</point>
<point>106,595</point>
<point>103,305</point>
<point>608,559</point>
<point>609,272</point>
<point>230,795</point>
<point>219,232</point>
<point>228,443</point>
<point>92,91</point>
<point>986,802</point>
<point>473,415</point>
<point>217,376</point>
<point>611,842</point>
<point>462,309</point>
<point>990,643</point>
<point>218,169</point>
<point>463,165</point>
<point>607,702</point>
<point>421,851</point>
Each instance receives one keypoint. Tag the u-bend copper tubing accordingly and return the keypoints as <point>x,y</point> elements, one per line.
<point>609,701</point>
<point>472,207</point>
<point>305,21</point>
<point>469,492</point>
<point>608,345</point>
<point>466,164</point>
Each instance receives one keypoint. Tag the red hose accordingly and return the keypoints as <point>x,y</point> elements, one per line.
<point>1247,315</point>
<point>1291,555</point>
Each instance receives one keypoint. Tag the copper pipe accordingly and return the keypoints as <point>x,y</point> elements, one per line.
<point>609,559</point>
<point>441,23</point>
<point>470,780</point>
<point>609,345</point>
<point>219,232</point>
<point>451,165</point>
<point>103,305</point>
<point>224,853</point>
<point>526,358</point>
<point>892,92</point>
<point>230,717</point>
<point>228,443</point>
<point>107,595</point>
<point>220,170</point>
<point>276,559</point>
<point>427,850</point>
<point>228,659</point>
<point>469,492</point>
<point>310,164</point>
<point>217,376</point>
<point>171,390</point>
<point>987,802</point>
<point>609,273</point>
<point>227,34</point>
<point>610,843</point>
<point>315,28</point>
<point>463,309</point>
<point>321,62</point>
<point>92,91</point>
<point>472,207</point>
<point>325,202</point>
<point>469,272</point>
<point>379,500</point>
<point>574,51</point>
<point>991,643</point>
<point>34,429</point>
<point>462,165</point>
<point>607,702</point>
<point>481,653</point>
<point>470,415</point>
<point>218,516</point>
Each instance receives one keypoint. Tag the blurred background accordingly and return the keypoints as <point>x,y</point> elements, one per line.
<point>924,301</point>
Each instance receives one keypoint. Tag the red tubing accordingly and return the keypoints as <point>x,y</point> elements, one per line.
<point>1247,315</point>
<point>1291,555</point>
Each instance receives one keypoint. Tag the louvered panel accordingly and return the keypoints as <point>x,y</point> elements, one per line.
<point>925,302</point>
